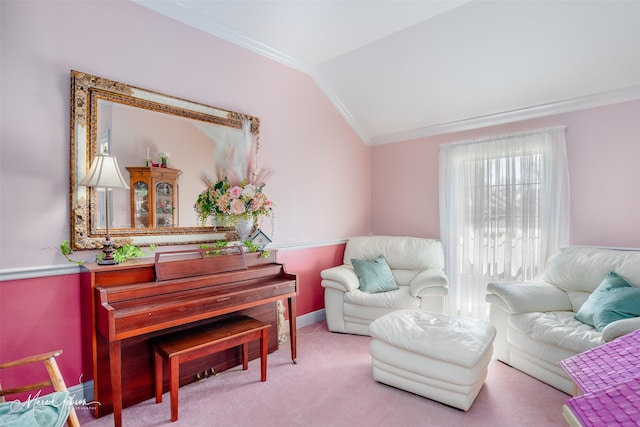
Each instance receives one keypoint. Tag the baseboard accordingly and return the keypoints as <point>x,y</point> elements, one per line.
<point>82,396</point>
<point>307,319</point>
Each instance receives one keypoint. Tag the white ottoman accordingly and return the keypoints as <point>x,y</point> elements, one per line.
<point>440,357</point>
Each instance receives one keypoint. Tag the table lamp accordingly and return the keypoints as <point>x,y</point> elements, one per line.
<point>105,173</point>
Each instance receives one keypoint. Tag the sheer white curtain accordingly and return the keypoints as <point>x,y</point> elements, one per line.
<point>504,207</point>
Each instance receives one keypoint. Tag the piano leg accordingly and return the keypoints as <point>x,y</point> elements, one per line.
<point>292,328</point>
<point>116,381</point>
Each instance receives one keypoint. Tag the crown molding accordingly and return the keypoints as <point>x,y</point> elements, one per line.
<point>184,14</point>
<point>342,109</point>
<point>600,99</point>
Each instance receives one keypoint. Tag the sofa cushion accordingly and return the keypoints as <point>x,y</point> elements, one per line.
<point>582,268</point>
<point>374,276</point>
<point>400,298</point>
<point>406,253</point>
<point>404,277</point>
<point>527,297</point>
<point>614,299</point>
<point>619,328</point>
<point>555,329</point>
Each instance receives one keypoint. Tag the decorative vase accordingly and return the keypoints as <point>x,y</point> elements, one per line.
<point>243,228</point>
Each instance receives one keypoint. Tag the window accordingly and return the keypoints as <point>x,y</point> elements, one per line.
<point>504,205</point>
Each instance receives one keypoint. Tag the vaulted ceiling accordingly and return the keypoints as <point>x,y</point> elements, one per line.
<point>398,70</point>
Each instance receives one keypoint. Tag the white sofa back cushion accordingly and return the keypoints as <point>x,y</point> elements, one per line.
<point>401,253</point>
<point>579,270</point>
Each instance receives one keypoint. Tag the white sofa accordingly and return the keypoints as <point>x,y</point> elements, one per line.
<point>417,266</point>
<point>535,323</point>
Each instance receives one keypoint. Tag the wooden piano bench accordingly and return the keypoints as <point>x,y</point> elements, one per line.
<point>199,342</point>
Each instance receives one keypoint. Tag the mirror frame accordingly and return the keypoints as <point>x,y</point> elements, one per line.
<point>86,90</point>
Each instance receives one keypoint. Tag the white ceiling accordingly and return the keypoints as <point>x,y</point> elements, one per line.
<point>403,69</point>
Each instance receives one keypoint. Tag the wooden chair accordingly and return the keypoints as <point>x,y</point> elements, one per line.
<point>55,376</point>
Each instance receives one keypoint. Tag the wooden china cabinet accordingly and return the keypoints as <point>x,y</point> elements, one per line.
<point>154,196</point>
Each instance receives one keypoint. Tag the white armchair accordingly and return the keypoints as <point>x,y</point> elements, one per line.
<point>417,266</point>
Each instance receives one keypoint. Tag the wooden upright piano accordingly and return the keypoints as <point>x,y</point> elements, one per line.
<point>130,304</point>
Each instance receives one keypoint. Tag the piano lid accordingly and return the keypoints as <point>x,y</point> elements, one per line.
<point>198,262</point>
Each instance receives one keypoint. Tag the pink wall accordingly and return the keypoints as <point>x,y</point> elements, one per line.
<point>322,168</point>
<point>138,129</point>
<point>307,264</point>
<point>39,316</point>
<point>603,151</point>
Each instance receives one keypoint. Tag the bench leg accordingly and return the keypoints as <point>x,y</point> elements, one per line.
<point>245,356</point>
<point>157,367</point>
<point>264,344</point>
<point>174,382</point>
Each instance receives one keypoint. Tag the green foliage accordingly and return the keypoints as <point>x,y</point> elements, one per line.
<point>121,254</point>
<point>219,247</point>
<point>214,249</point>
<point>252,247</point>
<point>65,249</point>
<point>128,251</point>
<point>203,207</point>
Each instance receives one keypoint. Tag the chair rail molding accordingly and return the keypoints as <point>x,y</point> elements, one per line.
<point>38,271</point>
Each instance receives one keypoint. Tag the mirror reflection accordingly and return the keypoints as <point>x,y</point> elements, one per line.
<point>136,126</point>
<point>131,134</point>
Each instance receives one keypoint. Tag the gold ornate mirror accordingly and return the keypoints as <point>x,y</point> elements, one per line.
<point>136,125</point>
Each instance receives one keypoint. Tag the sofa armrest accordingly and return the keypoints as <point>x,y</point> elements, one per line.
<point>619,328</point>
<point>433,278</point>
<point>342,278</point>
<point>516,298</point>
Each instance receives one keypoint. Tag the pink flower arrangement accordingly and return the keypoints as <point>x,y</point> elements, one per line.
<point>237,191</point>
<point>229,203</point>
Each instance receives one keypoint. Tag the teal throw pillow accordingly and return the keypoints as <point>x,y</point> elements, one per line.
<point>614,299</point>
<point>375,276</point>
